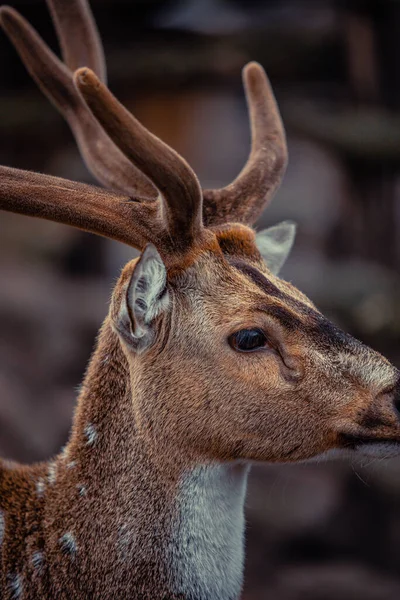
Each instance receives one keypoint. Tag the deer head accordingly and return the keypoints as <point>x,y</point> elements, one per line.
<point>240,364</point>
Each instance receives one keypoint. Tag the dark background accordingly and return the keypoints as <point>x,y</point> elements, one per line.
<point>321,531</point>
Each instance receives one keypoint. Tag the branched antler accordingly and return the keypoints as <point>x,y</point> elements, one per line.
<point>83,206</point>
<point>174,178</point>
<point>247,196</point>
<point>81,47</point>
<point>74,21</point>
<point>162,200</point>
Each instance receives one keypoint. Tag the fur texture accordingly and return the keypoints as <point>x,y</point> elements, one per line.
<point>146,499</point>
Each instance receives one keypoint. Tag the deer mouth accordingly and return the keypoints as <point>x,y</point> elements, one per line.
<point>371,446</point>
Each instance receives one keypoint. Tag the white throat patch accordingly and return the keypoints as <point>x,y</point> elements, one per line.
<point>207,550</point>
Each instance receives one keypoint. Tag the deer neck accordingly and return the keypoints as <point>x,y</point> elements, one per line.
<point>177,527</point>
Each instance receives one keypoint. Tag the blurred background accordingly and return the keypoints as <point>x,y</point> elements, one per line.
<point>315,532</point>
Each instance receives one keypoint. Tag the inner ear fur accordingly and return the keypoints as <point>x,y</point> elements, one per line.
<point>143,297</point>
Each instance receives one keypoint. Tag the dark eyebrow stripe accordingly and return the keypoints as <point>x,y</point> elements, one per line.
<point>327,335</point>
<point>258,278</point>
<point>284,316</point>
<point>269,288</point>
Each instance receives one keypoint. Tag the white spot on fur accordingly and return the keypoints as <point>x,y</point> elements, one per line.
<point>2,527</point>
<point>64,452</point>
<point>37,560</point>
<point>68,544</point>
<point>15,585</point>
<point>82,489</point>
<point>91,434</point>
<point>207,553</point>
<point>52,473</point>
<point>40,486</point>
<point>71,464</point>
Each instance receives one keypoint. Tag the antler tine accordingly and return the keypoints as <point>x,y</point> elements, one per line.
<point>246,197</point>
<point>78,35</point>
<point>55,80</point>
<point>83,206</point>
<point>178,184</point>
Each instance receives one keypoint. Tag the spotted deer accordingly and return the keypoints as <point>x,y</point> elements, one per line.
<point>207,361</point>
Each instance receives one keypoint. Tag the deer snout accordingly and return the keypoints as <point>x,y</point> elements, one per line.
<point>392,392</point>
<point>375,427</point>
<point>387,405</point>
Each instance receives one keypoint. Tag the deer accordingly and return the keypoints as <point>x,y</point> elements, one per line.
<point>207,362</point>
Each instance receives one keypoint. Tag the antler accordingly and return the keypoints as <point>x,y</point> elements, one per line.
<point>127,157</point>
<point>174,178</point>
<point>81,47</point>
<point>246,197</point>
<point>83,206</point>
<point>132,221</point>
<point>78,35</point>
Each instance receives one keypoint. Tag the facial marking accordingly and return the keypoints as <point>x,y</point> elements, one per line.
<point>337,353</point>
<point>295,308</point>
<point>365,366</point>
<point>287,318</point>
<point>68,544</point>
<point>15,585</point>
<point>91,434</point>
<point>358,363</point>
<point>258,278</point>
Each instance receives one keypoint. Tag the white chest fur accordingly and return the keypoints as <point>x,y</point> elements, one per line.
<point>207,550</point>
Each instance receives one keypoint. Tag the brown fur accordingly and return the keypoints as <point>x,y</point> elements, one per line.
<point>99,520</point>
<point>282,405</point>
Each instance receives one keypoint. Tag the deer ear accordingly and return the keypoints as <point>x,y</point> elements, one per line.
<point>146,297</point>
<point>275,244</point>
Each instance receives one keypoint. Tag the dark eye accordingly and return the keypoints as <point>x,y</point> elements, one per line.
<point>248,340</point>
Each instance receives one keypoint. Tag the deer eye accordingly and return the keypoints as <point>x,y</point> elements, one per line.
<point>248,340</point>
